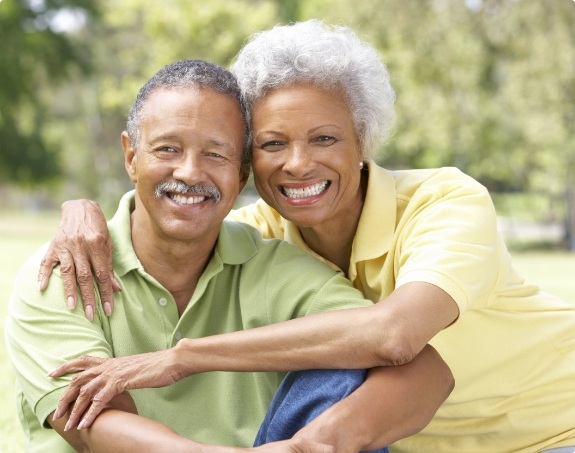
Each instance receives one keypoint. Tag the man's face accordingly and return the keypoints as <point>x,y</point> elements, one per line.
<point>190,140</point>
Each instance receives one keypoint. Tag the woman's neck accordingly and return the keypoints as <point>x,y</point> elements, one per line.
<point>333,240</point>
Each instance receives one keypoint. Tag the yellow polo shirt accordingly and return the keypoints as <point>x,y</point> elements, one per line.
<point>512,350</point>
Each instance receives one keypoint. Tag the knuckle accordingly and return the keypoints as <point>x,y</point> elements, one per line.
<point>83,275</point>
<point>97,238</point>
<point>102,276</point>
<point>77,380</point>
<point>46,261</point>
<point>82,361</point>
<point>84,392</point>
<point>100,398</point>
<point>66,267</point>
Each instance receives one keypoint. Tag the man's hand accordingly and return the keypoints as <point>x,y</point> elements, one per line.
<point>83,248</point>
<point>102,379</point>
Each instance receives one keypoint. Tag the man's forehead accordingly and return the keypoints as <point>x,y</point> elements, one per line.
<point>210,115</point>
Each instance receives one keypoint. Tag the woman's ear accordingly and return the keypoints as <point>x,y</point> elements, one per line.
<point>130,157</point>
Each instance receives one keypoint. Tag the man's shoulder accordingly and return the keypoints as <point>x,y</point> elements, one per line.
<point>265,252</point>
<point>31,266</point>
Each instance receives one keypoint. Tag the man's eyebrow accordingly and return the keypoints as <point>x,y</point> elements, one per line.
<point>220,143</point>
<point>174,137</point>
<point>160,137</point>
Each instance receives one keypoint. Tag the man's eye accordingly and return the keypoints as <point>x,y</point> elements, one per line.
<point>167,149</point>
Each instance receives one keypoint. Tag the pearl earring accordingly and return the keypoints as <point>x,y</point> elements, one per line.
<point>361,165</point>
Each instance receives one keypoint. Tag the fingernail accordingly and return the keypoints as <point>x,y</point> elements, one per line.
<point>89,312</point>
<point>39,285</point>
<point>108,308</point>
<point>70,302</point>
<point>81,424</point>
<point>67,427</point>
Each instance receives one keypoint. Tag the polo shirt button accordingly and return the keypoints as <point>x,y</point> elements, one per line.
<point>178,336</point>
<point>163,302</point>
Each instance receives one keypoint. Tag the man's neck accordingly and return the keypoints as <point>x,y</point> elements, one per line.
<point>176,265</point>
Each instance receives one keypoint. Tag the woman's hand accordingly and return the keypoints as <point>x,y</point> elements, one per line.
<point>83,248</point>
<point>295,445</point>
<point>102,379</point>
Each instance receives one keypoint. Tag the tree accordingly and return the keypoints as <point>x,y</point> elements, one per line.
<point>484,85</point>
<point>35,54</point>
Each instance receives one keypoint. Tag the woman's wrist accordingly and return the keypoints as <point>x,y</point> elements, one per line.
<point>186,360</point>
<point>338,426</point>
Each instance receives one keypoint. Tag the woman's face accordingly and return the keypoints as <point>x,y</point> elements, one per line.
<point>306,155</point>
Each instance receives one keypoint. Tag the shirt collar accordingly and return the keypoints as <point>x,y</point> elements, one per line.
<point>235,245</point>
<point>376,226</point>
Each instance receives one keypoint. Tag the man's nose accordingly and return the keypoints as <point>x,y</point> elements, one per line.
<point>190,168</point>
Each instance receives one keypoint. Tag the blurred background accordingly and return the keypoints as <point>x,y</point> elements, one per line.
<point>484,85</point>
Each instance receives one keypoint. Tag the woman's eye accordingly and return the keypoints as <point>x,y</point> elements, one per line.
<point>325,140</point>
<point>272,145</point>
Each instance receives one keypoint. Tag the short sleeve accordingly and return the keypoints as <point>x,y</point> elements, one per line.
<point>41,333</point>
<point>449,238</point>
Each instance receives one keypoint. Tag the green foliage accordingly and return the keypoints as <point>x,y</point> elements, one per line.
<point>34,55</point>
<point>484,85</point>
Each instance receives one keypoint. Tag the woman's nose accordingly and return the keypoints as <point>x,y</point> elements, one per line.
<point>298,160</point>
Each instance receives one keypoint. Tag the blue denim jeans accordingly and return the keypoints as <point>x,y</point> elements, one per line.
<point>301,397</point>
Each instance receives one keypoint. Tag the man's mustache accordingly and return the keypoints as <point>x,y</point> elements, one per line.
<point>182,188</point>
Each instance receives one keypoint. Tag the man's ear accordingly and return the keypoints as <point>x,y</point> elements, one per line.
<point>130,157</point>
<point>244,180</point>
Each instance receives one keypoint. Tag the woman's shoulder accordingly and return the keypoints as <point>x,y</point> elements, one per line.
<point>439,181</point>
<point>262,217</point>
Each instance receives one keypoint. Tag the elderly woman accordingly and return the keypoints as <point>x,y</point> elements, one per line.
<point>421,244</point>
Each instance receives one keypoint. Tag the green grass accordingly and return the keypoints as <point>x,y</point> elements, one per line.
<point>551,270</point>
<point>21,234</point>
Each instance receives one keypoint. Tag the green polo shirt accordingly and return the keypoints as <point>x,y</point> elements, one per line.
<point>249,282</point>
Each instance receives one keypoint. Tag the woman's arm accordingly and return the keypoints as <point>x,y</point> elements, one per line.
<point>391,332</point>
<point>83,248</point>
<point>393,403</point>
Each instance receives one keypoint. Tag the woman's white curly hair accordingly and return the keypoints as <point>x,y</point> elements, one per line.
<point>331,57</point>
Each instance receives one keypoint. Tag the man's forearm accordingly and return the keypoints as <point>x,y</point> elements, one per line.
<point>393,403</point>
<point>120,431</point>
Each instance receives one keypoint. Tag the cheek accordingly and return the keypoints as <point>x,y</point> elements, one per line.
<point>261,164</point>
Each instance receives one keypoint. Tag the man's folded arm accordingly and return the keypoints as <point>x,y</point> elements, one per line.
<point>120,429</point>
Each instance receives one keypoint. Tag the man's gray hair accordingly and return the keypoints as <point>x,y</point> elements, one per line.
<point>190,74</point>
<point>331,57</point>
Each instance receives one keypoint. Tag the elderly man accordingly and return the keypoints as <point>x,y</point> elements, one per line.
<point>183,272</point>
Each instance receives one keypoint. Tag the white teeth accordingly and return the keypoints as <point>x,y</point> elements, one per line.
<point>305,192</point>
<point>180,199</point>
